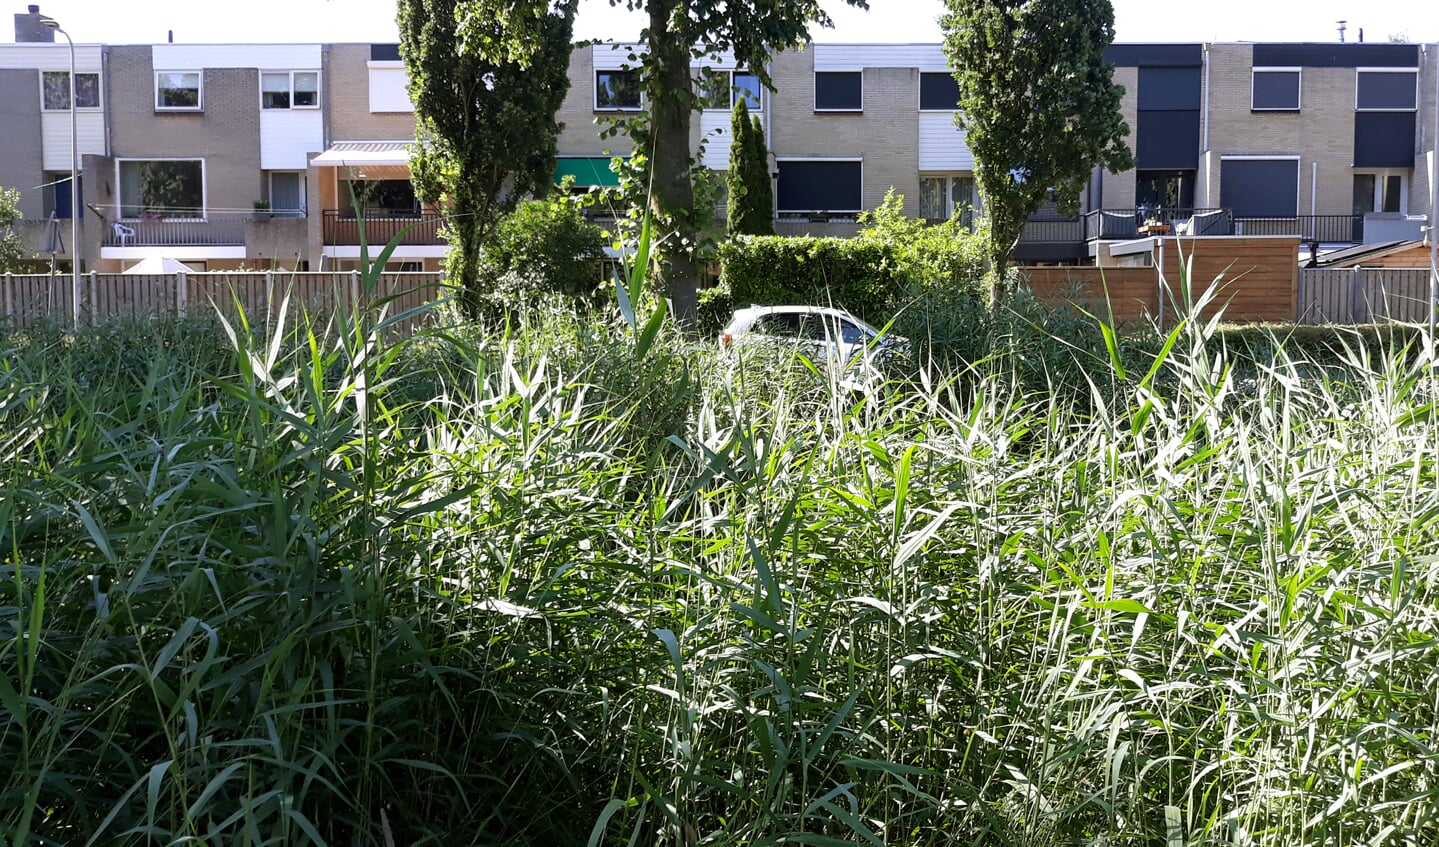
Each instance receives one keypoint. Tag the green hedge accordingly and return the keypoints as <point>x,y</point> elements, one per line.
<point>854,274</point>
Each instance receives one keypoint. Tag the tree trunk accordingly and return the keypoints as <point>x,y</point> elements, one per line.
<point>671,193</point>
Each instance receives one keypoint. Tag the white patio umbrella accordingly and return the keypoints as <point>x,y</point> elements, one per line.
<point>159,265</point>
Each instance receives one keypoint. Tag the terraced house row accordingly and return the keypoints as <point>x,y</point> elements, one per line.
<point>227,155</point>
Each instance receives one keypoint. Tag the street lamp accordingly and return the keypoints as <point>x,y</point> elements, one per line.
<point>74,180</point>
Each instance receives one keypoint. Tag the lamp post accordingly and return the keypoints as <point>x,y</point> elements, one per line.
<point>74,180</point>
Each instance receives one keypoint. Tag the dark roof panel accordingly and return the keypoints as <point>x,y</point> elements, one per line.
<point>1321,55</point>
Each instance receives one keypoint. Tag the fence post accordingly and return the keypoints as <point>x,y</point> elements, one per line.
<point>355,290</point>
<point>1354,297</point>
<point>88,295</point>
<point>10,296</point>
<point>182,293</point>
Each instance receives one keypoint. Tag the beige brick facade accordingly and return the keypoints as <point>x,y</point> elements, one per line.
<point>1117,190</point>
<point>885,136</point>
<point>347,72</point>
<point>225,133</point>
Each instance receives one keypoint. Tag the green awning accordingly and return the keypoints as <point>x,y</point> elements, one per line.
<point>592,170</point>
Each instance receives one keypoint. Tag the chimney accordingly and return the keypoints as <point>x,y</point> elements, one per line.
<point>28,28</point>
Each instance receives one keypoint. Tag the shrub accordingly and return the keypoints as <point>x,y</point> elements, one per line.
<point>544,248</point>
<point>854,274</point>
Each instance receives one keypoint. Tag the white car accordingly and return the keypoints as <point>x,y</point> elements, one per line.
<point>823,334</point>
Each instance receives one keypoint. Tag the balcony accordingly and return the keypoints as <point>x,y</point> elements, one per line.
<point>1051,238</point>
<point>1140,222</point>
<point>213,229</point>
<point>1327,229</point>
<point>418,229</point>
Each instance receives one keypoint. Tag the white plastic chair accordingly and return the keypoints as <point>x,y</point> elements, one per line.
<point>125,234</point>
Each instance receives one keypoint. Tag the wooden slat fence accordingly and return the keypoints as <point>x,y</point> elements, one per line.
<point>27,298</point>
<point>1363,295</point>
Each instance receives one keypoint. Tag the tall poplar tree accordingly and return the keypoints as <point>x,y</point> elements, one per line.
<point>485,128</point>
<point>750,207</point>
<point>1038,104</point>
<point>749,29</point>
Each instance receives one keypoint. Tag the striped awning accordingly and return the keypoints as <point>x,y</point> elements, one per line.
<point>361,153</point>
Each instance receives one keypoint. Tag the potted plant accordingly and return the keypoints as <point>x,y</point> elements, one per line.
<point>262,210</point>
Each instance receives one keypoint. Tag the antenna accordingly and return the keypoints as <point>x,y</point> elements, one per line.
<point>1341,31</point>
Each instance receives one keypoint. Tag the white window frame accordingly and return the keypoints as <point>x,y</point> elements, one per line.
<point>814,91</point>
<point>292,106</point>
<point>733,92</point>
<point>595,90</point>
<point>846,212</point>
<point>99,88</point>
<point>1380,175</point>
<point>199,96</point>
<point>1360,71</point>
<point>204,187</point>
<point>1299,95</point>
<point>950,179</point>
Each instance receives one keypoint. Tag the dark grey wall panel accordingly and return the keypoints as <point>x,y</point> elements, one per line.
<point>1169,88</point>
<point>1337,55</point>
<point>1154,55</point>
<point>1167,140</point>
<point>819,186</point>
<point>1384,139</point>
<point>1260,188</point>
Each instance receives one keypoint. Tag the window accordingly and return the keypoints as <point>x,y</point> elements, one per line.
<point>166,188</point>
<point>177,90</point>
<point>393,198</point>
<point>1378,192</point>
<point>819,186</point>
<point>941,197</point>
<point>1275,90</point>
<point>617,90</point>
<point>723,89</point>
<point>1386,91</point>
<point>56,91</point>
<point>838,91</point>
<point>938,92</point>
<point>56,194</point>
<point>290,90</point>
<point>287,193</point>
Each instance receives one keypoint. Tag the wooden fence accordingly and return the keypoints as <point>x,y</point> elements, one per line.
<point>263,295</point>
<point>1363,295</point>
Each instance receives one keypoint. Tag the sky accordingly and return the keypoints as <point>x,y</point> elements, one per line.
<point>888,21</point>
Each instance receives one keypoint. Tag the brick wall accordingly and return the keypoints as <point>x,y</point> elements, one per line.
<point>885,135</point>
<point>225,134</point>
<point>21,165</point>
<point>347,73</point>
<point>1117,190</point>
<point>1321,132</point>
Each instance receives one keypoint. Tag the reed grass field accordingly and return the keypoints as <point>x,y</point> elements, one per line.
<point>554,584</point>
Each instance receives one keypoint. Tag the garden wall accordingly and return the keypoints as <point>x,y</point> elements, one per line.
<point>1258,279</point>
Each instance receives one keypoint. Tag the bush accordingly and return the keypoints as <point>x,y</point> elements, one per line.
<point>853,274</point>
<point>544,248</point>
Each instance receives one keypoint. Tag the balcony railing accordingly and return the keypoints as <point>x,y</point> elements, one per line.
<point>213,229</point>
<point>1332,229</point>
<point>1137,222</point>
<point>342,227</point>
<point>1052,230</point>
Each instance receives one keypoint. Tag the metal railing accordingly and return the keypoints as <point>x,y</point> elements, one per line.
<point>342,227</point>
<point>1052,230</point>
<point>1139,221</point>
<point>205,230</point>
<point>1333,229</point>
